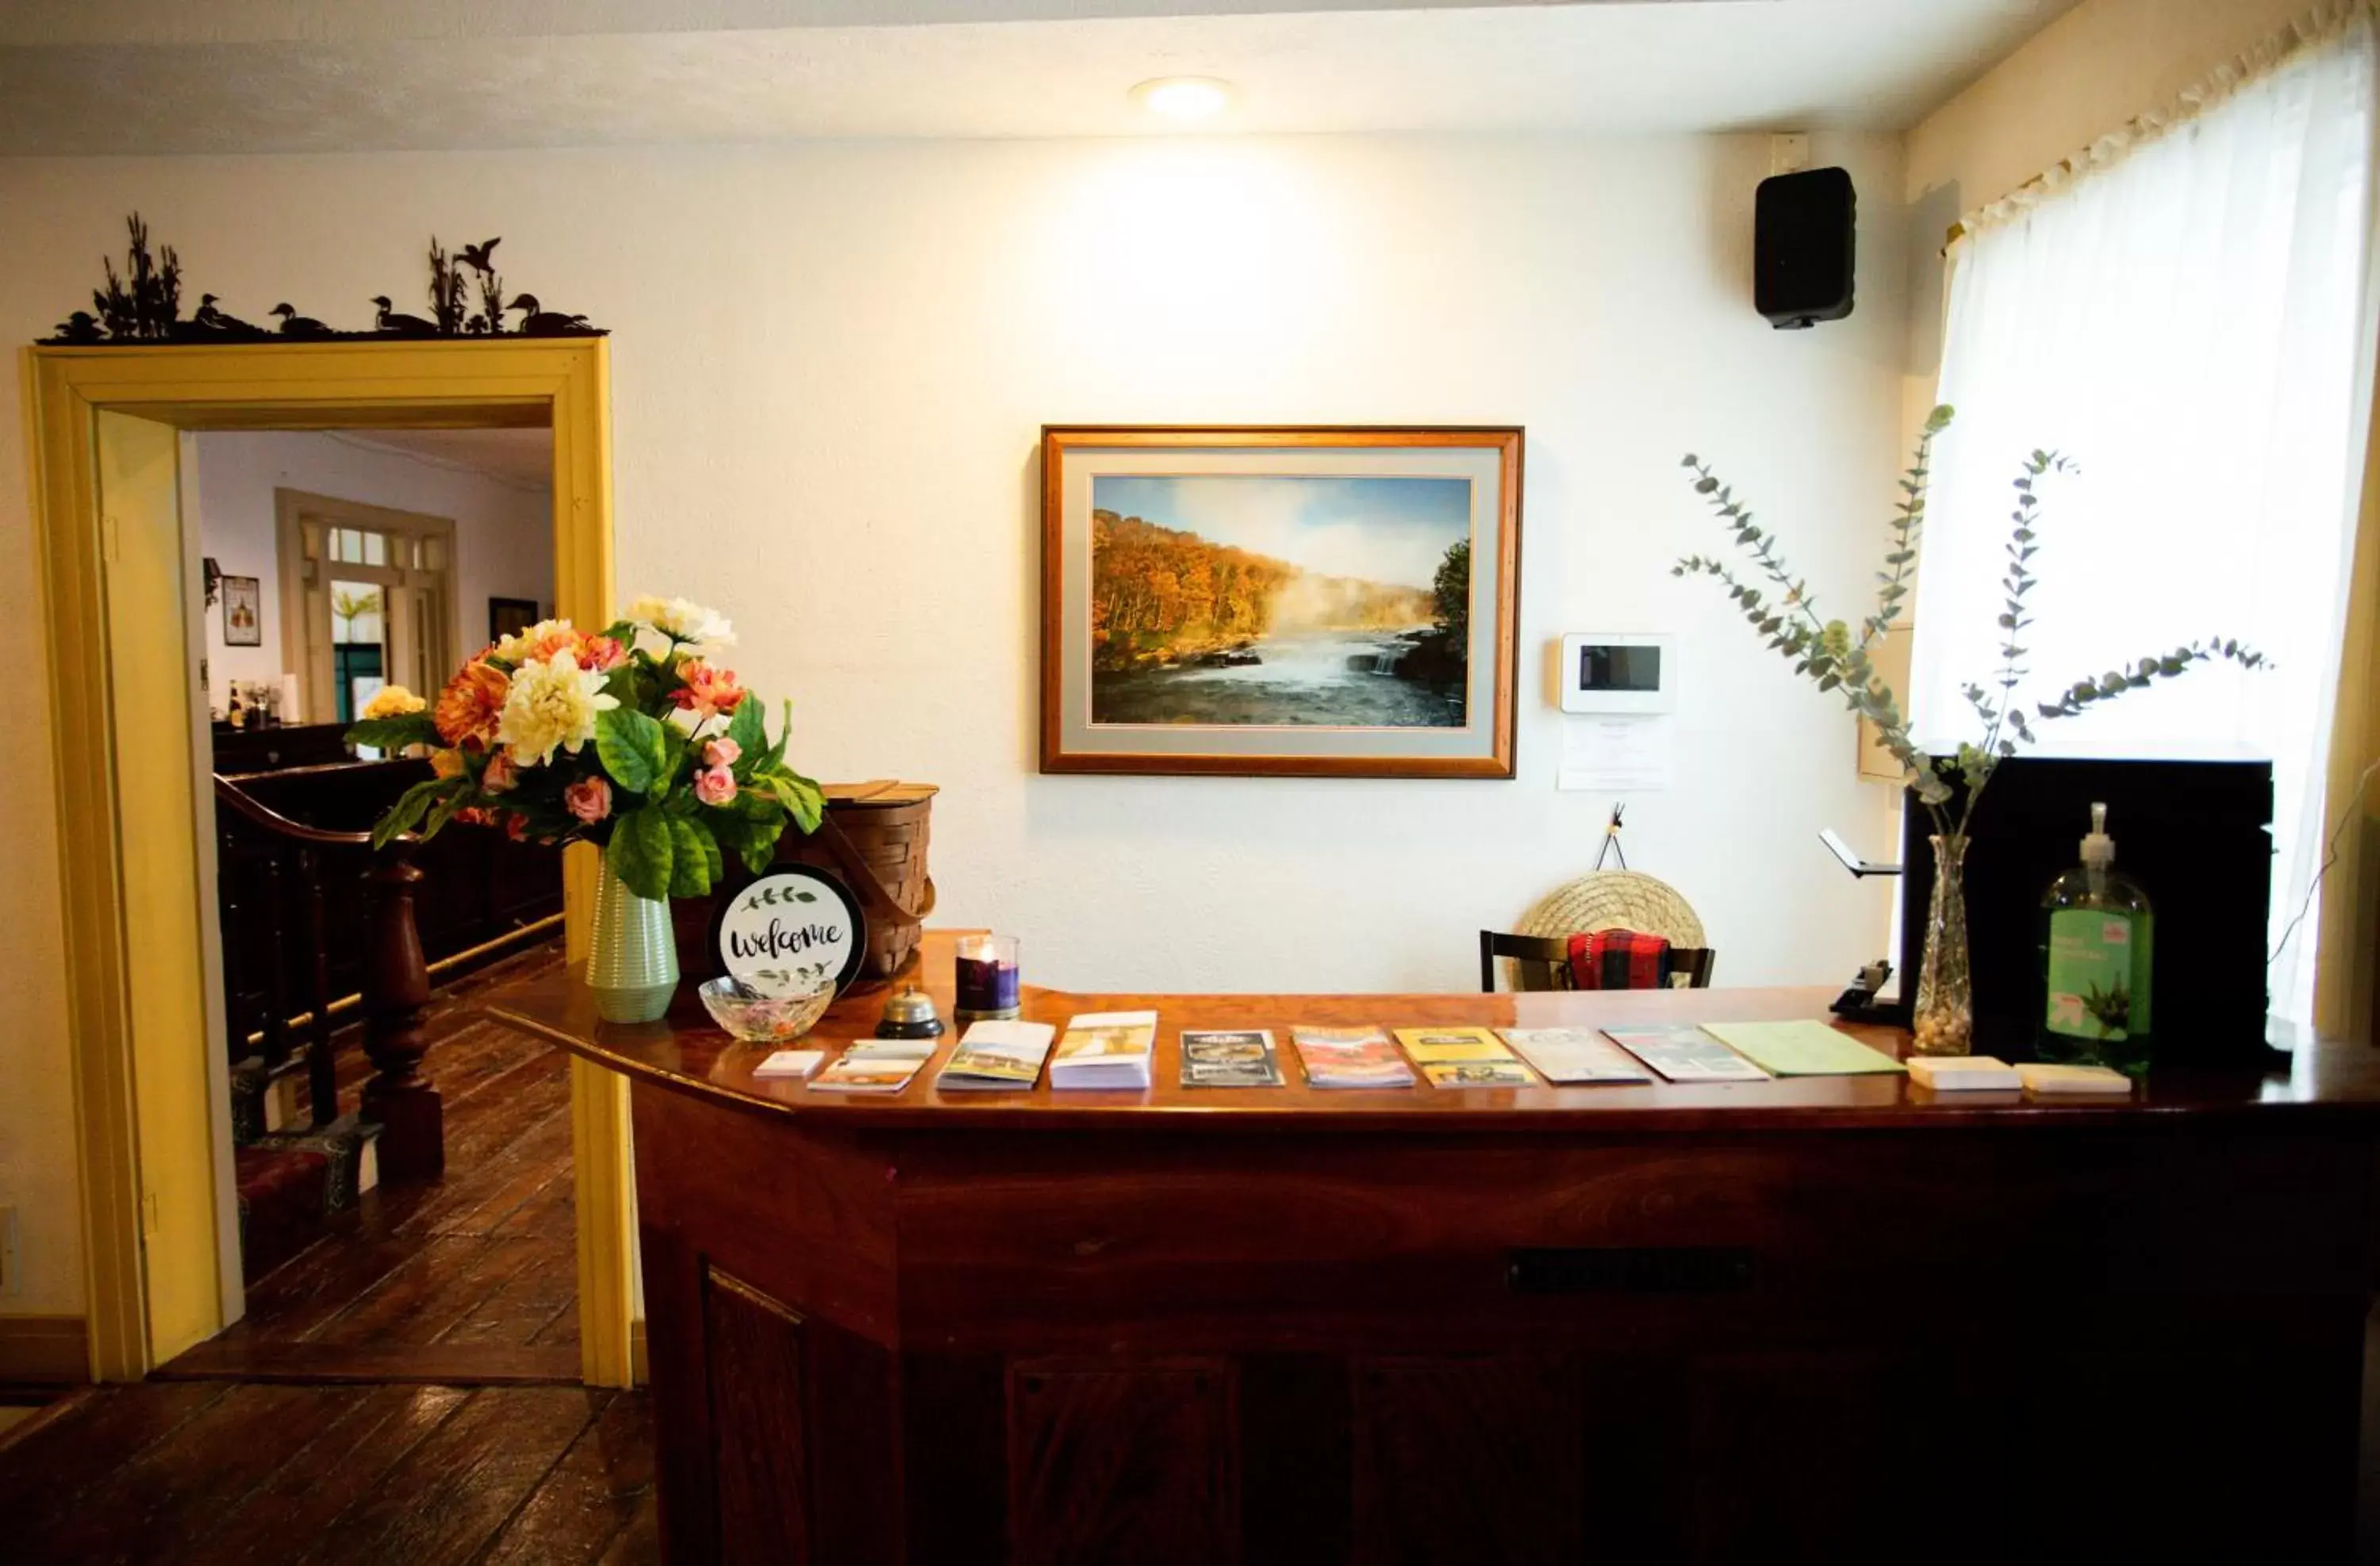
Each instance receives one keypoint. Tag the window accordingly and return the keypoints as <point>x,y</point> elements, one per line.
<point>2188,325</point>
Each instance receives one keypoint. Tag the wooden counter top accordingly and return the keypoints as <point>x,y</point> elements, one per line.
<point>686,1052</point>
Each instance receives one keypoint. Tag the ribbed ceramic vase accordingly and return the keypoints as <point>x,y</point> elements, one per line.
<point>633,965</point>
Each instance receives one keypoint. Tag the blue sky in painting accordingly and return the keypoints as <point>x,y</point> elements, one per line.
<point>1384,530</point>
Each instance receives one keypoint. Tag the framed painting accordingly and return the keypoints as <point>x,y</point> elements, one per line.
<point>1303,602</point>
<point>243,621</point>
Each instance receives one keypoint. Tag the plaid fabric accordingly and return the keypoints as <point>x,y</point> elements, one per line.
<point>1619,959</point>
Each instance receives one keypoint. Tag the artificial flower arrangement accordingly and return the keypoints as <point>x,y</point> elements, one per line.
<point>631,737</point>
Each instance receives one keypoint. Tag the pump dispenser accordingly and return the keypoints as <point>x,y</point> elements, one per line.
<point>2097,938</point>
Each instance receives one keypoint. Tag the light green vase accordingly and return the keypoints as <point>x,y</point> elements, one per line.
<point>633,965</point>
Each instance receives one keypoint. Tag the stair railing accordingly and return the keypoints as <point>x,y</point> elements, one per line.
<point>396,987</point>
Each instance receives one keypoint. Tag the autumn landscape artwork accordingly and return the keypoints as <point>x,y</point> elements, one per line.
<point>1279,599</point>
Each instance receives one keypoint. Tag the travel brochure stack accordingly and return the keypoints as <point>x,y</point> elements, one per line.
<point>1115,1051</point>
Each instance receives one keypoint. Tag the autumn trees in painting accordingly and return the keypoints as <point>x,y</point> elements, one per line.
<point>1160,595</point>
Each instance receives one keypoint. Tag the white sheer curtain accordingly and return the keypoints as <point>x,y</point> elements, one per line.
<point>2188,323</point>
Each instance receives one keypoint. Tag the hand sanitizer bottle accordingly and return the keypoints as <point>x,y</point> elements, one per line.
<point>2096,945</point>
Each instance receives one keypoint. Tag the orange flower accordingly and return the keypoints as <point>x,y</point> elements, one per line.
<point>707,691</point>
<point>470,706</point>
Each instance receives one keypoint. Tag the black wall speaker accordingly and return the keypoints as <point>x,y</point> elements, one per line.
<point>1803,247</point>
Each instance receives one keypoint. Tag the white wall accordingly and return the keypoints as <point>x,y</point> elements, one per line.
<point>830,365</point>
<point>503,533</point>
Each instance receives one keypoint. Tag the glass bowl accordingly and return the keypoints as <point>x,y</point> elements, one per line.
<point>761,1012</point>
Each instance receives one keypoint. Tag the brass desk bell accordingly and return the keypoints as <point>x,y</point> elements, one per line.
<point>909,1015</point>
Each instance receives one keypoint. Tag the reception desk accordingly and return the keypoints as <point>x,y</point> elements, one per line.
<point>1825,1320</point>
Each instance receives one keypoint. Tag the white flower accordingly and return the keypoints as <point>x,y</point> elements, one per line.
<point>684,619</point>
<point>517,645</point>
<point>551,704</point>
<point>392,702</point>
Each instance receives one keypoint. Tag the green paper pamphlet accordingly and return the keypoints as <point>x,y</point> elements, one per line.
<point>1800,1049</point>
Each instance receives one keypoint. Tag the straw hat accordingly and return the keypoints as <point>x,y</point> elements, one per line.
<point>1616,900</point>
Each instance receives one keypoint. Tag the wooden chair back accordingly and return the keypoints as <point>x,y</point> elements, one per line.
<point>1547,958</point>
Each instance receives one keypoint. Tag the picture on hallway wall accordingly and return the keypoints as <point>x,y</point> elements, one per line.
<point>243,622</point>
<point>1318,601</point>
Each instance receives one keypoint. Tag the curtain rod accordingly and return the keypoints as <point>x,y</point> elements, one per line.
<point>2327,24</point>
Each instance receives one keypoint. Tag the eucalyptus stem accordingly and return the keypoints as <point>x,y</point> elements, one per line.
<point>1827,653</point>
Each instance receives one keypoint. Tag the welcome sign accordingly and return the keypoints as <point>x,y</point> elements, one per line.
<point>791,930</point>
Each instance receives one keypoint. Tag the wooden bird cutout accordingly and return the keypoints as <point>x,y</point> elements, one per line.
<point>543,322</point>
<point>296,325</point>
<point>389,323</point>
<point>481,257</point>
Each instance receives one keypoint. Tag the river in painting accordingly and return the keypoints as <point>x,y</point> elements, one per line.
<point>1320,678</point>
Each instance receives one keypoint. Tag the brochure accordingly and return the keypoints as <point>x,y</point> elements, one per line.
<point>998,1056</point>
<point>1427,1045</point>
<point>1230,1060</point>
<point>1506,1073</point>
<point>1573,1055</point>
<point>1350,1057</point>
<point>875,1065</point>
<point>1686,1053</point>
<point>1105,1050</point>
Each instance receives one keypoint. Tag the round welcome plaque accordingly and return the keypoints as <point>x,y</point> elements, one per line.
<point>789,929</point>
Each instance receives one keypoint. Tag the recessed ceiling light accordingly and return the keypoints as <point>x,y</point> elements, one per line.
<point>1183,97</point>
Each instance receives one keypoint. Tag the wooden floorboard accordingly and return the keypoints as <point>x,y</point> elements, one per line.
<point>481,1260</point>
<point>404,1390</point>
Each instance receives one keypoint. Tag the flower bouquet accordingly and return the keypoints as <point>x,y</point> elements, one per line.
<point>631,738</point>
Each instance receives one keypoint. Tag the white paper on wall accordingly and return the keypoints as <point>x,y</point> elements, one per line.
<point>1615,755</point>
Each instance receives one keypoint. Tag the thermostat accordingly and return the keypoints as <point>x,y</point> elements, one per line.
<point>1606,672</point>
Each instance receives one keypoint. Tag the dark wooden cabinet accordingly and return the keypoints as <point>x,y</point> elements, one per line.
<point>1825,1321</point>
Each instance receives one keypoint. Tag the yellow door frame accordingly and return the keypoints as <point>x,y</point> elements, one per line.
<point>103,824</point>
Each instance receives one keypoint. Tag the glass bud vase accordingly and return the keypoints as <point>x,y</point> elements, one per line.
<point>1943,1021</point>
<point>632,964</point>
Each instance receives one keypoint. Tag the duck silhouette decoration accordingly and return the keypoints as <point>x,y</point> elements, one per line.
<point>142,305</point>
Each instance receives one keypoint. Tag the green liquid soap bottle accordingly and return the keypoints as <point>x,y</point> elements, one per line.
<point>2097,940</point>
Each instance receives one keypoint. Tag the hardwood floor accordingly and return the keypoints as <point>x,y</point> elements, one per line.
<point>471,1278</point>
<point>202,1473</point>
<point>403,1390</point>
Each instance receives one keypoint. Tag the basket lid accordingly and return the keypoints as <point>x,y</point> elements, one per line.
<point>883,791</point>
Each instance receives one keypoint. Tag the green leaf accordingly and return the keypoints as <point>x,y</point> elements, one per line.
<point>695,860</point>
<point>634,750</point>
<point>410,807</point>
<point>394,734</point>
<point>748,729</point>
<point>443,812</point>
<point>642,851</point>
<point>803,799</point>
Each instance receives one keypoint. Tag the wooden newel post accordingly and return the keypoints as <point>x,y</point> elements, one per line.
<point>396,989</point>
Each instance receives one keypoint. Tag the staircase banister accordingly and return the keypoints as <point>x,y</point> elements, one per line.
<point>274,821</point>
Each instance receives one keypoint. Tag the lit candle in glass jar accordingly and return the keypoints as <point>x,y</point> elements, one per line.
<point>987,982</point>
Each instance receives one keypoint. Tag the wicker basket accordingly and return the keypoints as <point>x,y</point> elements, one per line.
<point>874,840</point>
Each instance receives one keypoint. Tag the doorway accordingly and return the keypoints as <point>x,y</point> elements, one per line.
<point>123,595</point>
<point>360,551</point>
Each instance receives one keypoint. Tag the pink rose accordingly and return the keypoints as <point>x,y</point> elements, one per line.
<point>602,654</point>
<point>589,799</point>
<point>716,786</point>
<point>502,774</point>
<point>723,752</point>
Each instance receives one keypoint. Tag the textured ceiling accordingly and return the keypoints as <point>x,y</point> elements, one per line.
<point>522,458</point>
<point>149,76</point>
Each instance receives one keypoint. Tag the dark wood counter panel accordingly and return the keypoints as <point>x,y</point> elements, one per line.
<point>1831,1319</point>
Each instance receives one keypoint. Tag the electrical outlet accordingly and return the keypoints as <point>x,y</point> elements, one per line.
<point>12,1275</point>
